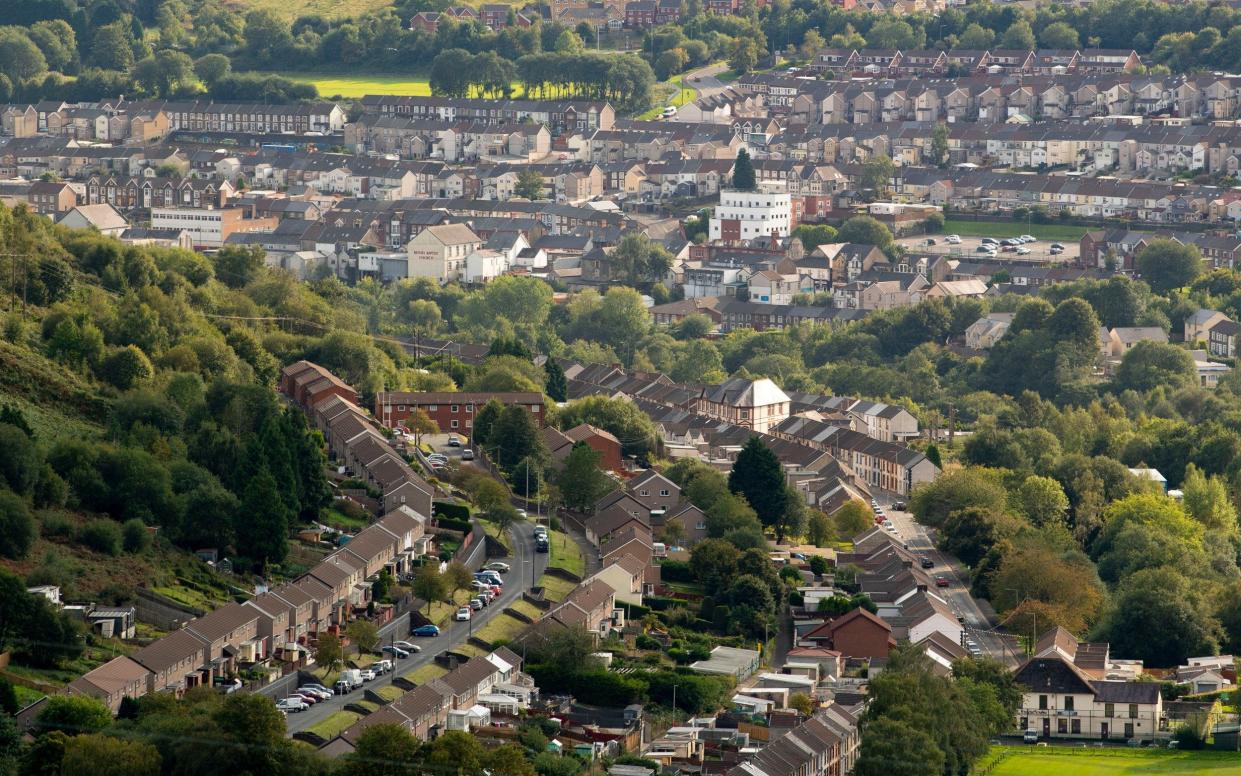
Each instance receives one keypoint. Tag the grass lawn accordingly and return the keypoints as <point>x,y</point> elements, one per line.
<point>555,588</point>
<point>291,9</point>
<point>340,521</point>
<point>332,726</point>
<point>527,608</point>
<point>1013,228</point>
<point>26,696</point>
<point>389,692</point>
<point>501,627</point>
<point>354,85</point>
<point>566,554</point>
<point>441,611</point>
<point>424,674</point>
<point>493,530</point>
<point>370,706</point>
<point>1116,762</point>
<point>693,588</point>
<point>672,92</point>
<point>469,650</point>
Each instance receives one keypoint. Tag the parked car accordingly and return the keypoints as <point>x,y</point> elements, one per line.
<point>942,582</point>
<point>476,604</point>
<point>295,699</point>
<point>454,440</point>
<point>382,666</point>
<point>930,241</point>
<point>463,614</point>
<point>467,454</point>
<point>926,562</point>
<point>318,687</point>
<point>899,506</point>
<point>1027,238</point>
<point>396,652</point>
<point>669,112</point>
<point>368,675</point>
<point>952,239</point>
<point>1023,251</point>
<point>499,566</point>
<point>989,241</point>
<point>987,249</point>
<point>342,687</point>
<point>322,695</point>
<point>1030,736</point>
<point>425,631</point>
<point>1057,245</point>
<point>291,705</point>
<point>309,698</point>
<point>1056,251</point>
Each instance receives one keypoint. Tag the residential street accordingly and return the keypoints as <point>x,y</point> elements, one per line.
<point>977,624</point>
<point>527,566</point>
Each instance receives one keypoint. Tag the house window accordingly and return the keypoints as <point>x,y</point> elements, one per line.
<point>469,408</point>
<point>534,408</point>
<point>400,408</point>
<point>644,492</point>
<point>663,492</point>
<point>1068,703</point>
<point>1075,726</point>
<point>1062,726</point>
<point>454,408</point>
<point>454,424</point>
<point>1133,711</point>
<point>432,407</point>
<point>1042,702</point>
<point>1128,730</point>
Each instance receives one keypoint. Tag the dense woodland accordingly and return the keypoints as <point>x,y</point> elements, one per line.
<point>89,49</point>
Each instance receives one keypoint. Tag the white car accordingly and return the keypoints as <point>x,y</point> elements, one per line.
<point>499,566</point>
<point>1023,251</point>
<point>523,514</point>
<point>322,695</point>
<point>1026,238</point>
<point>291,705</point>
<point>368,675</point>
<point>463,614</point>
<point>669,112</point>
<point>952,239</point>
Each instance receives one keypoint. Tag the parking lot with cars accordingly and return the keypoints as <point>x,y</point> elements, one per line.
<point>1018,247</point>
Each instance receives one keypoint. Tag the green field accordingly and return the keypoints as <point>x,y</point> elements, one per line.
<point>1012,229</point>
<point>348,85</point>
<point>1116,762</point>
<point>291,9</point>
<point>566,554</point>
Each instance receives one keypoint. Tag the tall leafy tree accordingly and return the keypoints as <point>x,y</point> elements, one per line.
<point>556,385</point>
<point>758,475</point>
<point>263,524</point>
<point>581,481</point>
<point>743,172</point>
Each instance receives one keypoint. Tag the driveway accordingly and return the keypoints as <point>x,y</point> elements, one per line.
<point>978,625</point>
<point>526,565</point>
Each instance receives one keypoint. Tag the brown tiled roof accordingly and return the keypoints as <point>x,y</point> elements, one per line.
<point>172,649</point>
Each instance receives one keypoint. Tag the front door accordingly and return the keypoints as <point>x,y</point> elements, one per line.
<point>1046,727</point>
<point>1103,731</point>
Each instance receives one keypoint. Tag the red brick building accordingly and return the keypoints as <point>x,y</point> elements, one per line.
<point>855,634</point>
<point>307,384</point>
<point>608,446</point>
<point>451,411</point>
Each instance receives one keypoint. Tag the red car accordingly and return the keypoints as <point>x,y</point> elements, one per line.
<point>942,582</point>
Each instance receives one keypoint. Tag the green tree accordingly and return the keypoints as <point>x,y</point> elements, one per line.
<point>17,527</point>
<point>970,532</point>
<point>515,438</point>
<point>20,58</point>
<point>1150,364</point>
<point>238,265</point>
<point>102,535</point>
<point>818,529</point>
<point>125,367</point>
<point>975,37</point>
<point>743,56</point>
<point>255,730</point>
<point>865,230</point>
<point>112,48</point>
<point>853,519</point>
<point>814,235</point>
<point>385,749</point>
<point>556,385</point>
<point>364,634</point>
<point>877,172</point>
<point>933,502</point>
<point>457,577</point>
<point>1166,265</point>
<point>713,562</point>
<point>619,417</point>
<point>109,756</point>
<point>73,714</point>
<point>329,653</point>
<point>263,525</point>
<point>530,182</point>
<point>758,476</point>
<point>1018,36</point>
<point>743,172</point>
<point>1059,35</point>
<point>1042,501</point>
<point>429,585</point>
<point>1161,617</point>
<point>939,145</point>
<point>1207,501</point>
<point>212,68</point>
<point>485,420</point>
<point>581,481</point>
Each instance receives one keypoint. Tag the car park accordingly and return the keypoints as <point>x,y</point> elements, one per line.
<point>425,631</point>
<point>463,614</point>
<point>499,566</point>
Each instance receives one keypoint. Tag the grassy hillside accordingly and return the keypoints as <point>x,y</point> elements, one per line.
<point>56,401</point>
<point>291,9</point>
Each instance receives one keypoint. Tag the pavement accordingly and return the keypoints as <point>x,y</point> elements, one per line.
<point>527,566</point>
<point>978,624</point>
<point>1040,250</point>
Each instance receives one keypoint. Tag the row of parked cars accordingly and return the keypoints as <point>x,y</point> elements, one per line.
<point>487,586</point>
<point>350,679</point>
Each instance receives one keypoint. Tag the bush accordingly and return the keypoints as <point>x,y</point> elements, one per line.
<point>55,525</point>
<point>819,564</point>
<point>463,526</point>
<point>135,536</point>
<point>1187,738</point>
<point>451,511</point>
<point>102,535</point>
<point>661,604</point>
<point>646,642</point>
<point>676,571</point>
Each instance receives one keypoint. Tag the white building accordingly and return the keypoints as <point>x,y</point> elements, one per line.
<point>440,252</point>
<point>744,215</point>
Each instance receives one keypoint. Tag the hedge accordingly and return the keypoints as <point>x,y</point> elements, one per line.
<point>661,604</point>
<point>464,526</point>
<point>451,510</point>
<point>676,571</point>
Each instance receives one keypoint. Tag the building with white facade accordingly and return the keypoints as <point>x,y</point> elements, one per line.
<point>209,227</point>
<point>744,215</point>
<point>440,252</point>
